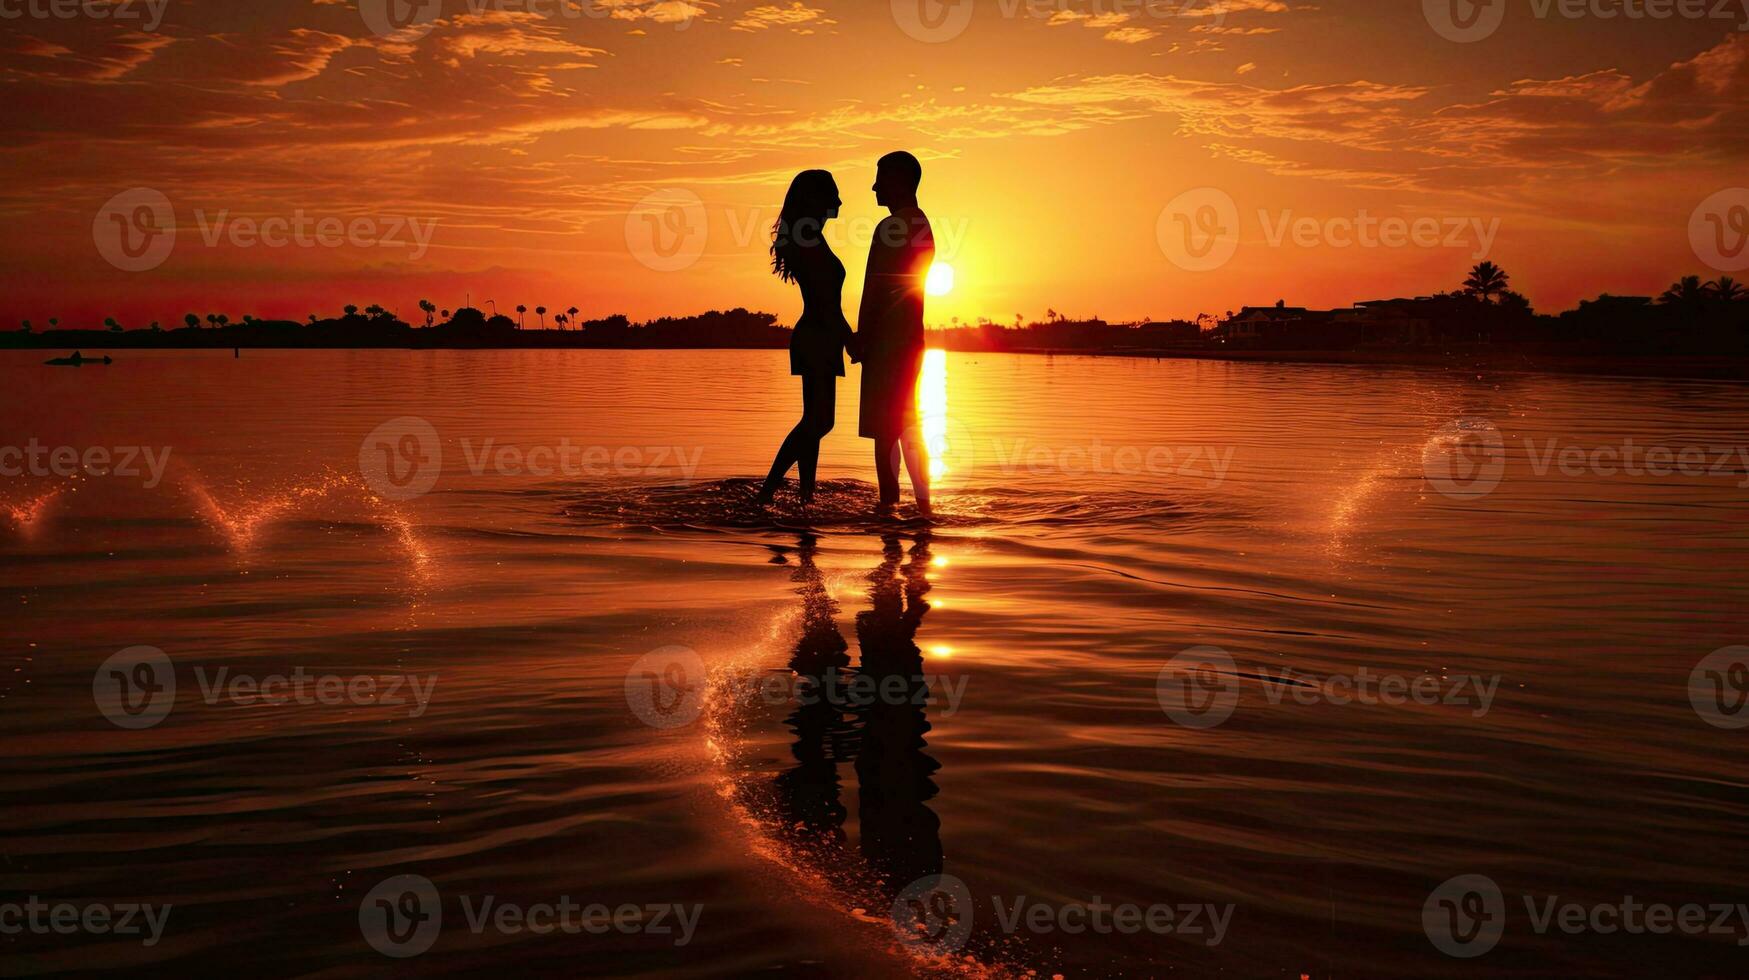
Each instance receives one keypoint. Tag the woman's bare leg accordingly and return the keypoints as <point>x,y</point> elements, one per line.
<point>802,446</point>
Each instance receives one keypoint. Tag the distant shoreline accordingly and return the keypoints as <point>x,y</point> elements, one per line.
<point>1700,367</point>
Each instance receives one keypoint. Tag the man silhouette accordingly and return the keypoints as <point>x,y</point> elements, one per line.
<point>889,331</point>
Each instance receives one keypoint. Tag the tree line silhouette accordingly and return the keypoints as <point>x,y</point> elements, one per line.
<point>1692,316</point>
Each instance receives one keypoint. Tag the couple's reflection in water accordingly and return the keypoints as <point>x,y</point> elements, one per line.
<point>872,716</point>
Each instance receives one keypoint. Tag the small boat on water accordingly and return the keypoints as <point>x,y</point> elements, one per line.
<point>76,360</point>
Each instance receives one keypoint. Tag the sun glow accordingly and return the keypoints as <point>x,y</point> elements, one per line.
<point>940,281</point>
<point>932,409</point>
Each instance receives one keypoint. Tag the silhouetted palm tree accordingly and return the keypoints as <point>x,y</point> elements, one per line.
<point>1726,289</point>
<point>520,310</point>
<point>113,326</point>
<point>571,315</point>
<point>212,320</point>
<point>224,321</point>
<point>429,309</point>
<point>312,319</point>
<point>192,321</point>
<point>1486,280</point>
<point>374,310</point>
<point>54,321</point>
<point>156,328</point>
<point>541,312</point>
<point>445,314</point>
<point>350,309</point>
<point>1685,291</point>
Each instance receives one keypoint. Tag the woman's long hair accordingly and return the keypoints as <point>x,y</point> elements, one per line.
<point>799,226</point>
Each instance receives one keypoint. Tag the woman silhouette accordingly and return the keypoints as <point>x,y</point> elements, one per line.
<point>799,254</point>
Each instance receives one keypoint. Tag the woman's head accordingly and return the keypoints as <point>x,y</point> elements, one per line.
<point>811,202</point>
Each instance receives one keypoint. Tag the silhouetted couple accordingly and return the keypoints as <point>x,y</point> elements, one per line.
<point>888,340</point>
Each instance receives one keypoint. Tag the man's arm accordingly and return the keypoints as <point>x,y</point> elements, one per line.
<point>876,289</point>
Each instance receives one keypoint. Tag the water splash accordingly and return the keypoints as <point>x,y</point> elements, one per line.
<point>242,522</point>
<point>27,515</point>
<point>849,506</point>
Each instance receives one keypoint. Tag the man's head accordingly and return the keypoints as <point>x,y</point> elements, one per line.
<point>896,179</point>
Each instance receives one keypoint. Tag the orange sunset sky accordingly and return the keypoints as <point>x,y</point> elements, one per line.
<point>1053,135</point>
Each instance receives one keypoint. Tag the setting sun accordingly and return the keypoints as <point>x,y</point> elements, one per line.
<point>940,281</point>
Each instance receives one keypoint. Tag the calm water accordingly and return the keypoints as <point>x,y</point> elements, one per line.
<point>1099,518</point>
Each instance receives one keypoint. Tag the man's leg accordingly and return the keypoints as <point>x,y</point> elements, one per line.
<point>887,470</point>
<point>917,464</point>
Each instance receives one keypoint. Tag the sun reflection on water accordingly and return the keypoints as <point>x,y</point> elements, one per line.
<point>932,411</point>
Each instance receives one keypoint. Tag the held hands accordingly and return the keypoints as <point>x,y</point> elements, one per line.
<point>853,344</point>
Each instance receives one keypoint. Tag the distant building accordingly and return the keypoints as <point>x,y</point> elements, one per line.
<point>1393,322</point>
<point>1283,327</point>
<point>1172,333</point>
